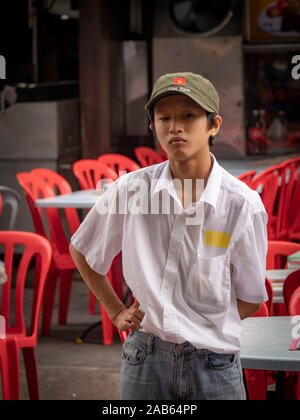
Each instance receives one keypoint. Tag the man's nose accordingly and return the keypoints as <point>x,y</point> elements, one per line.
<point>175,126</point>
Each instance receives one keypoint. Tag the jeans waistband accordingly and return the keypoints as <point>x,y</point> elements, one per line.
<point>152,341</point>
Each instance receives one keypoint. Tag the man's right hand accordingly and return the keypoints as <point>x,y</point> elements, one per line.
<point>129,318</point>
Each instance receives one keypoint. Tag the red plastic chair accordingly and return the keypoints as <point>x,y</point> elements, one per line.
<point>123,335</point>
<point>277,259</point>
<point>277,249</point>
<point>62,265</point>
<point>269,303</point>
<point>294,216</point>
<point>58,183</point>
<point>119,163</point>
<point>258,380</point>
<point>16,335</point>
<point>288,179</point>
<point>247,177</point>
<point>89,171</point>
<point>291,283</point>
<point>9,198</point>
<point>267,184</point>
<point>294,304</point>
<point>147,156</point>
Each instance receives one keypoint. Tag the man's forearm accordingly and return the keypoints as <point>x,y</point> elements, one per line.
<point>98,284</point>
<point>247,309</point>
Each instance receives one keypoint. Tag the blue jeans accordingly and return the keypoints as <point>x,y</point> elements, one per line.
<point>153,369</point>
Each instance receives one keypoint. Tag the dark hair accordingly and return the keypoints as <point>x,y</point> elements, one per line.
<point>210,118</point>
<point>211,121</point>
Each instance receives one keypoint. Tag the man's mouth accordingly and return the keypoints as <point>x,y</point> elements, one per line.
<point>177,140</point>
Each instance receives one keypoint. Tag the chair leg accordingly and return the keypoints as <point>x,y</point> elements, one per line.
<point>92,304</point>
<point>66,277</point>
<point>107,328</point>
<point>5,378</point>
<point>256,384</point>
<point>48,301</point>
<point>31,373</point>
<point>14,370</point>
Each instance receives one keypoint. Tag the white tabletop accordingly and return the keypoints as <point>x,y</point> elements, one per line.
<point>266,343</point>
<point>84,199</point>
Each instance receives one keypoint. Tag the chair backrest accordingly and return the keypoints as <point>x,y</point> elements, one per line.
<point>263,311</point>
<point>247,177</point>
<point>34,188</point>
<point>9,197</point>
<point>90,171</point>
<point>291,283</point>
<point>294,305</point>
<point>285,193</point>
<point>270,292</point>
<point>147,156</point>
<point>277,249</point>
<point>34,246</point>
<point>267,184</point>
<point>294,215</point>
<point>119,163</point>
<point>58,183</point>
<point>32,192</point>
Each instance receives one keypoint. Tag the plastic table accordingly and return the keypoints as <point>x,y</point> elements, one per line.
<point>83,199</point>
<point>266,344</point>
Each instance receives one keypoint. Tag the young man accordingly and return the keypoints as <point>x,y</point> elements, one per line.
<point>194,261</point>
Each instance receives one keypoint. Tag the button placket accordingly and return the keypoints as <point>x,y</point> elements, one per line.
<point>170,274</point>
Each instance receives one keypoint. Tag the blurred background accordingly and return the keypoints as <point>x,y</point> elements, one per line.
<point>78,74</point>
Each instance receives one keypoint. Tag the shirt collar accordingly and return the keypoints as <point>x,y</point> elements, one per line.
<point>210,193</point>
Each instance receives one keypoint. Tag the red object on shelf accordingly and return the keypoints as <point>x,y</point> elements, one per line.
<point>147,156</point>
<point>16,336</point>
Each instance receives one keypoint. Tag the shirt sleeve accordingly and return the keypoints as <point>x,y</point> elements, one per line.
<point>99,237</point>
<point>248,260</point>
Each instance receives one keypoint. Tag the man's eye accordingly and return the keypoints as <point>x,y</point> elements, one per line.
<point>188,115</point>
<point>164,118</point>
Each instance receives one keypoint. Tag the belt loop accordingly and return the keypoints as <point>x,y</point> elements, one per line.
<point>149,344</point>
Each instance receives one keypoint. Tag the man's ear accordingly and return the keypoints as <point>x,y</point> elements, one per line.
<point>150,126</point>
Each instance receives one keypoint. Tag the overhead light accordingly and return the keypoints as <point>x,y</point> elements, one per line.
<point>64,17</point>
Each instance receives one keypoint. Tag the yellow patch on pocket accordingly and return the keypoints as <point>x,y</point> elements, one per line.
<point>219,239</point>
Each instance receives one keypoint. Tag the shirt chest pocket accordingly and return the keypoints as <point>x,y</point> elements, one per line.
<point>209,282</point>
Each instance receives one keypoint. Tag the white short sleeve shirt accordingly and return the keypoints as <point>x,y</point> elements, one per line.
<point>186,267</point>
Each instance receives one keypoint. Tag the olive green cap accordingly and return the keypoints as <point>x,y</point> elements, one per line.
<point>192,85</point>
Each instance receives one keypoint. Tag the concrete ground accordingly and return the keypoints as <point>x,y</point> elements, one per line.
<point>71,371</point>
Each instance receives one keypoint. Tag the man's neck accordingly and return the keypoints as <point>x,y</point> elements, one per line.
<point>198,168</point>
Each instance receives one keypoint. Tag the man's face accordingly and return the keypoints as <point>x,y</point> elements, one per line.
<point>179,117</point>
